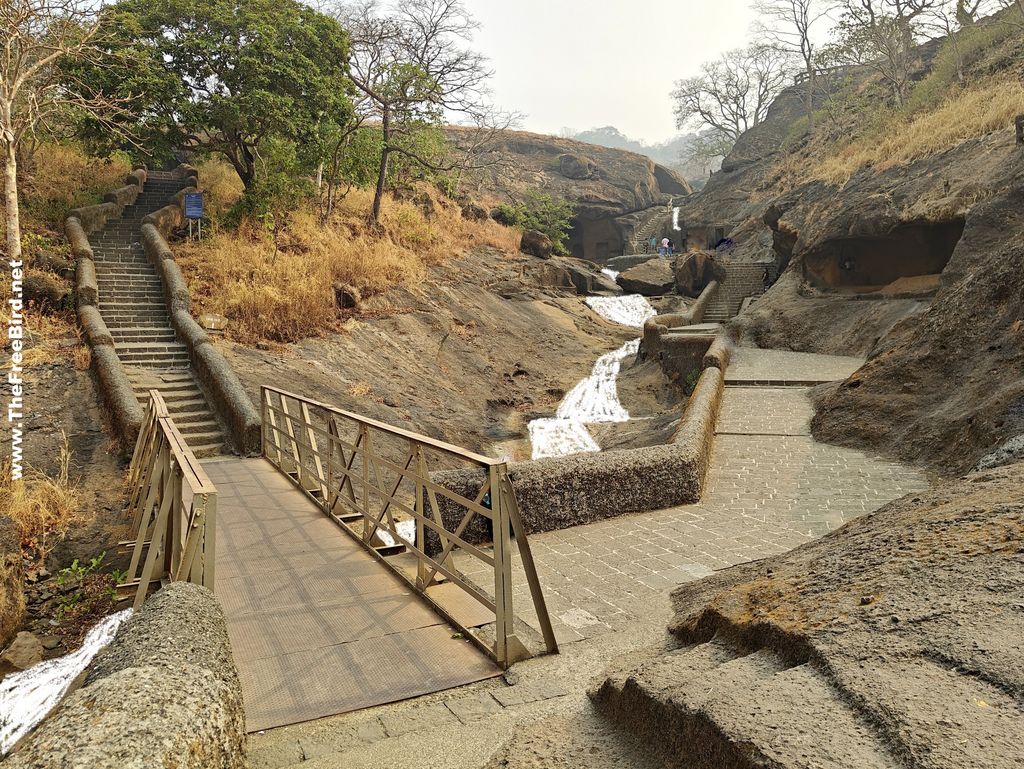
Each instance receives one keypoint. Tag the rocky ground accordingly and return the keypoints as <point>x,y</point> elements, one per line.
<point>488,343</point>
<point>900,632</point>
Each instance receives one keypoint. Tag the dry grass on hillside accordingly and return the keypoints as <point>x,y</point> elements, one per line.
<point>965,115</point>
<point>61,177</point>
<point>43,508</point>
<point>286,293</point>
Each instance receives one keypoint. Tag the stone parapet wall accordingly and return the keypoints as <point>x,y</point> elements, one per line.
<point>659,325</point>
<point>559,492</point>
<point>115,388</point>
<point>217,379</point>
<point>164,693</point>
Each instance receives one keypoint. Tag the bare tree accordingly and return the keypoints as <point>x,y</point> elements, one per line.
<point>789,25</point>
<point>36,36</point>
<point>732,94</point>
<point>412,68</point>
<point>881,34</point>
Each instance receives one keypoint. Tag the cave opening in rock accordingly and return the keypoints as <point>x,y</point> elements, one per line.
<point>595,239</point>
<point>911,256</point>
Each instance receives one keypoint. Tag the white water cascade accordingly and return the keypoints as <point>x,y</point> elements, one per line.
<point>596,398</point>
<point>28,696</point>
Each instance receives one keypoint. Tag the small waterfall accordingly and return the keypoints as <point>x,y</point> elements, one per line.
<point>630,310</point>
<point>27,697</point>
<point>596,398</point>
<point>610,272</point>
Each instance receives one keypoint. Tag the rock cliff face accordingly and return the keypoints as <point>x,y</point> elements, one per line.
<point>604,185</point>
<point>917,267</point>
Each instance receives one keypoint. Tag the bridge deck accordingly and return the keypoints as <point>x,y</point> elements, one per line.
<point>317,625</point>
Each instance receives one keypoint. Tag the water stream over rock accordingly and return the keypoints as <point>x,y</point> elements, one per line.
<point>28,696</point>
<point>596,398</point>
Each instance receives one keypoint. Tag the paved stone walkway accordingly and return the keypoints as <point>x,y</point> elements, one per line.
<point>771,487</point>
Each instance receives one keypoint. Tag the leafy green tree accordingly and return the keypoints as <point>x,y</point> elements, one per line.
<point>412,71</point>
<point>224,76</point>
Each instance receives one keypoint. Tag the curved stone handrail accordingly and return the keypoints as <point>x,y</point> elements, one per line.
<point>115,388</point>
<point>657,326</point>
<point>216,377</point>
<point>165,692</point>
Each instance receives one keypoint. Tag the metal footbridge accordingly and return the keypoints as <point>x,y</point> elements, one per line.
<point>335,557</point>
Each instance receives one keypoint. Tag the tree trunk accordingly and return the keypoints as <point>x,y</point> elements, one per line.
<point>810,98</point>
<point>13,223</point>
<point>382,171</point>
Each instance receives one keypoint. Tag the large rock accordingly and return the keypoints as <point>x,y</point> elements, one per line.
<point>12,580</point>
<point>474,212</point>
<point>536,244</point>
<point>576,166</point>
<point>25,651</point>
<point>694,270</point>
<point>165,693</point>
<point>585,276</point>
<point>652,278</point>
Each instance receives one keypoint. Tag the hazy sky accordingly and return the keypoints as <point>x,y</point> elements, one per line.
<point>569,63</point>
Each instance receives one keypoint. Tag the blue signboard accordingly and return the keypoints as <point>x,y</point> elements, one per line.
<point>193,205</point>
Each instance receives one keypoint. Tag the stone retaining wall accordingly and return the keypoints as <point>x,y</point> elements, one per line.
<point>115,387</point>
<point>659,325</point>
<point>165,693</point>
<point>218,380</point>
<point>559,492</point>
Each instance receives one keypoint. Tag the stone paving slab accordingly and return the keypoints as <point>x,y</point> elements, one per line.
<point>765,411</point>
<point>751,365</point>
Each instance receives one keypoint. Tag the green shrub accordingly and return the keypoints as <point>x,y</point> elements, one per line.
<point>542,212</point>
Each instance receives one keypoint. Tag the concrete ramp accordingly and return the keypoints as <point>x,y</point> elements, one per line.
<point>317,625</point>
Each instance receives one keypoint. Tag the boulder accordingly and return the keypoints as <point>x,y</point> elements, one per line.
<point>346,296</point>
<point>45,290</point>
<point>573,166</point>
<point>652,278</point>
<point>694,270</point>
<point>623,263</point>
<point>25,651</point>
<point>12,579</point>
<point>537,244</point>
<point>474,212</point>
<point>585,277</point>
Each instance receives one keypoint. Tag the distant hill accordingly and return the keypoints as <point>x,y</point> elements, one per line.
<point>673,153</point>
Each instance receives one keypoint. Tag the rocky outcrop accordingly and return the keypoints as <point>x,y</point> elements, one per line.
<point>914,265</point>
<point>576,167</point>
<point>164,693</point>
<point>651,278</point>
<point>900,620</point>
<point>602,184</point>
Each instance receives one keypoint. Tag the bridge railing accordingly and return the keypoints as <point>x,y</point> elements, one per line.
<point>174,505</point>
<point>375,480</point>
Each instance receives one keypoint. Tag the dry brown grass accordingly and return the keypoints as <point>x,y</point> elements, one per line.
<point>43,507</point>
<point>61,177</point>
<point>286,293</point>
<point>965,115</point>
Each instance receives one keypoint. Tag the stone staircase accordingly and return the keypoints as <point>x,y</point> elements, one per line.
<point>654,222</point>
<point>131,301</point>
<point>743,279</point>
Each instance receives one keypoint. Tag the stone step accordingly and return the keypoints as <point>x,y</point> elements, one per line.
<point>135,335</point>
<point>174,347</point>
<point>187,405</point>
